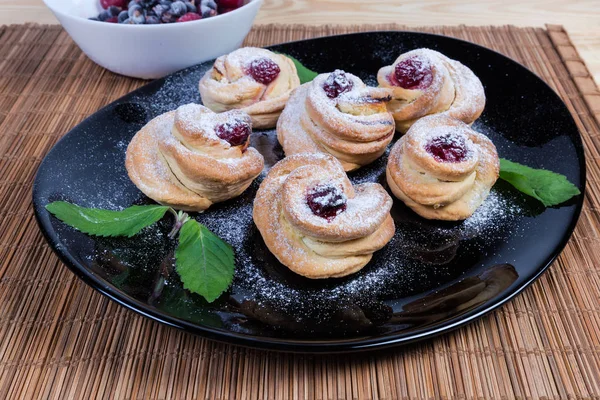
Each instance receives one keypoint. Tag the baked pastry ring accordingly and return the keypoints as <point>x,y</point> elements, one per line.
<point>315,222</point>
<point>425,82</point>
<point>338,114</point>
<point>442,168</point>
<point>191,158</point>
<point>256,81</point>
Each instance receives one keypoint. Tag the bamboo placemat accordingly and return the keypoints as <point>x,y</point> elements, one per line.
<point>60,339</point>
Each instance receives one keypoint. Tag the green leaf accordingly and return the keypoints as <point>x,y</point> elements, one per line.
<point>205,263</point>
<point>305,74</point>
<point>548,187</point>
<point>98,222</point>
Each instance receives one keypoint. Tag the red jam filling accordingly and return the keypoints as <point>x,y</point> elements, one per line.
<point>337,83</point>
<point>263,70</point>
<point>235,133</point>
<point>412,73</point>
<point>326,201</point>
<point>448,148</point>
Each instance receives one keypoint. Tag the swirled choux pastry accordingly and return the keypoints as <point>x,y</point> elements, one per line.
<point>315,222</point>
<point>191,158</point>
<point>337,114</point>
<point>256,81</point>
<point>425,82</point>
<point>442,168</point>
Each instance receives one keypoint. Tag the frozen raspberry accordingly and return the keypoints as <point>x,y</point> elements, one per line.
<point>412,73</point>
<point>189,17</point>
<point>447,148</point>
<point>236,133</point>
<point>229,5</point>
<point>326,201</point>
<point>263,70</point>
<point>337,83</point>
<point>118,3</point>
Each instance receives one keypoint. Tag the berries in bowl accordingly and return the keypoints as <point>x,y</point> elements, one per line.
<point>152,38</point>
<point>138,12</point>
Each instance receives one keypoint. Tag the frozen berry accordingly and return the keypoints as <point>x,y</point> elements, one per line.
<point>263,70</point>
<point>147,4</point>
<point>113,20</point>
<point>208,12</point>
<point>178,8</point>
<point>191,8</point>
<point>123,15</point>
<point>447,148</point>
<point>326,201</point>
<point>152,19</point>
<point>135,9</point>
<point>229,5</point>
<point>167,17</point>
<point>337,83</point>
<point>189,17</point>
<point>412,73</point>
<point>117,3</point>
<point>159,9</point>
<point>104,15</point>
<point>114,11</point>
<point>235,134</point>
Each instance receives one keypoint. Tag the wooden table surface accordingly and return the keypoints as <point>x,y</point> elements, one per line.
<point>581,18</point>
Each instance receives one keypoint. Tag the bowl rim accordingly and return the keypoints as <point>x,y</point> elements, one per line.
<point>218,17</point>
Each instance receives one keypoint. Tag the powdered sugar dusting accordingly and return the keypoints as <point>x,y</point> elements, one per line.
<point>195,118</point>
<point>282,300</point>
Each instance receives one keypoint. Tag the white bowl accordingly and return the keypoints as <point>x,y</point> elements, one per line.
<point>152,51</point>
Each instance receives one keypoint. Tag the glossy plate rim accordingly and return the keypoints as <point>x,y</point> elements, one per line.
<point>365,343</point>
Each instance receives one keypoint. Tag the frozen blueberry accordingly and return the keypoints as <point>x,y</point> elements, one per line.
<point>93,19</point>
<point>138,18</point>
<point>159,9</point>
<point>208,8</point>
<point>123,15</point>
<point>190,7</point>
<point>136,8</point>
<point>209,3</point>
<point>168,18</point>
<point>152,19</point>
<point>104,15</point>
<point>114,11</point>
<point>178,8</point>
<point>147,4</point>
<point>165,2</point>
<point>208,12</point>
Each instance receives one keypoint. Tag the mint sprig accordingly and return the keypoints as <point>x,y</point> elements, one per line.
<point>204,262</point>
<point>94,221</point>
<point>546,186</point>
<point>305,74</point>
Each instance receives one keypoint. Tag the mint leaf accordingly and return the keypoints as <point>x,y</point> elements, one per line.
<point>205,263</point>
<point>548,187</point>
<point>98,222</point>
<point>305,74</point>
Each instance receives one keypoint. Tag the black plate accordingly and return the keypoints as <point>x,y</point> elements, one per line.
<point>431,278</point>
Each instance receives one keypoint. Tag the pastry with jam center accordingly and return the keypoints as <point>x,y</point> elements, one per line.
<point>337,114</point>
<point>191,158</point>
<point>316,222</point>
<point>425,82</point>
<point>442,169</point>
<point>256,81</point>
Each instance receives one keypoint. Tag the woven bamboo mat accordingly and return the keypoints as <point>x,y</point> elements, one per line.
<point>59,339</point>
